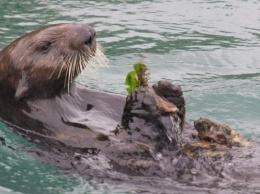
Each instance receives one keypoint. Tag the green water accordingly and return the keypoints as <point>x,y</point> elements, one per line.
<point>210,48</point>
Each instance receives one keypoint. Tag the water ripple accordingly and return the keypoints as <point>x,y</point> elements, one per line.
<point>210,48</point>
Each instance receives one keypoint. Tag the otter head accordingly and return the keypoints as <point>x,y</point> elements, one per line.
<point>44,63</point>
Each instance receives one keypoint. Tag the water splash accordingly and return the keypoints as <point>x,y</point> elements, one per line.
<point>176,128</point>
<point>173,129</point>
<point>173,132</point>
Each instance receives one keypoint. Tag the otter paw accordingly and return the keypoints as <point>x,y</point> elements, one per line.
<point>172,93</point>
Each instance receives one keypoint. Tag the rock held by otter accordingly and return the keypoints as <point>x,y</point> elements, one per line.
<point>215,139</point>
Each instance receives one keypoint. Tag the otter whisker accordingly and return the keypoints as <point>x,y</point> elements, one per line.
<point>73,68</point>
<point>79,62</point>
<point>82,63</point>
<point>97,60</point>
<point>77,67</point>
<point>83,60</point>
<point>55,68</point>
<point>64,63</point>
<point>70,72</point>
<point>70,67</point>
<point>61,61</point>
<point>67,80</point>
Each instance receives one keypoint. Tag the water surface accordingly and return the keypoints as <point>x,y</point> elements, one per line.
<point>210,48</point>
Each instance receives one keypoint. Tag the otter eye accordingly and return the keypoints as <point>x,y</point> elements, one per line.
<point>45,47</point>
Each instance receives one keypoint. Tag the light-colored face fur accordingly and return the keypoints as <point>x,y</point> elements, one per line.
<point>52,56</point>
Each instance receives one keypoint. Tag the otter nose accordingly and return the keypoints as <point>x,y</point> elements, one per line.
<point>80,36</point>
<point>90,37</point>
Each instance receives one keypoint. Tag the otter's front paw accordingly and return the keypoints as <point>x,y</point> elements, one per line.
<point>172,93</point>
<point>150,118</point>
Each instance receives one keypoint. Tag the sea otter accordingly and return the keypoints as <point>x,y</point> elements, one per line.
<point>41,100</point>
<point>137,135</point>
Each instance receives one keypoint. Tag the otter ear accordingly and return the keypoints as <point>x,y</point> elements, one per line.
<point>22,88</point>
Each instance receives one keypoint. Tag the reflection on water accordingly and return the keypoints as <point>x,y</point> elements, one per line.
<point>211,48</point>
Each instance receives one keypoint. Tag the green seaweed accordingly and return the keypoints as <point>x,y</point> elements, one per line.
<point>137,78</point>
